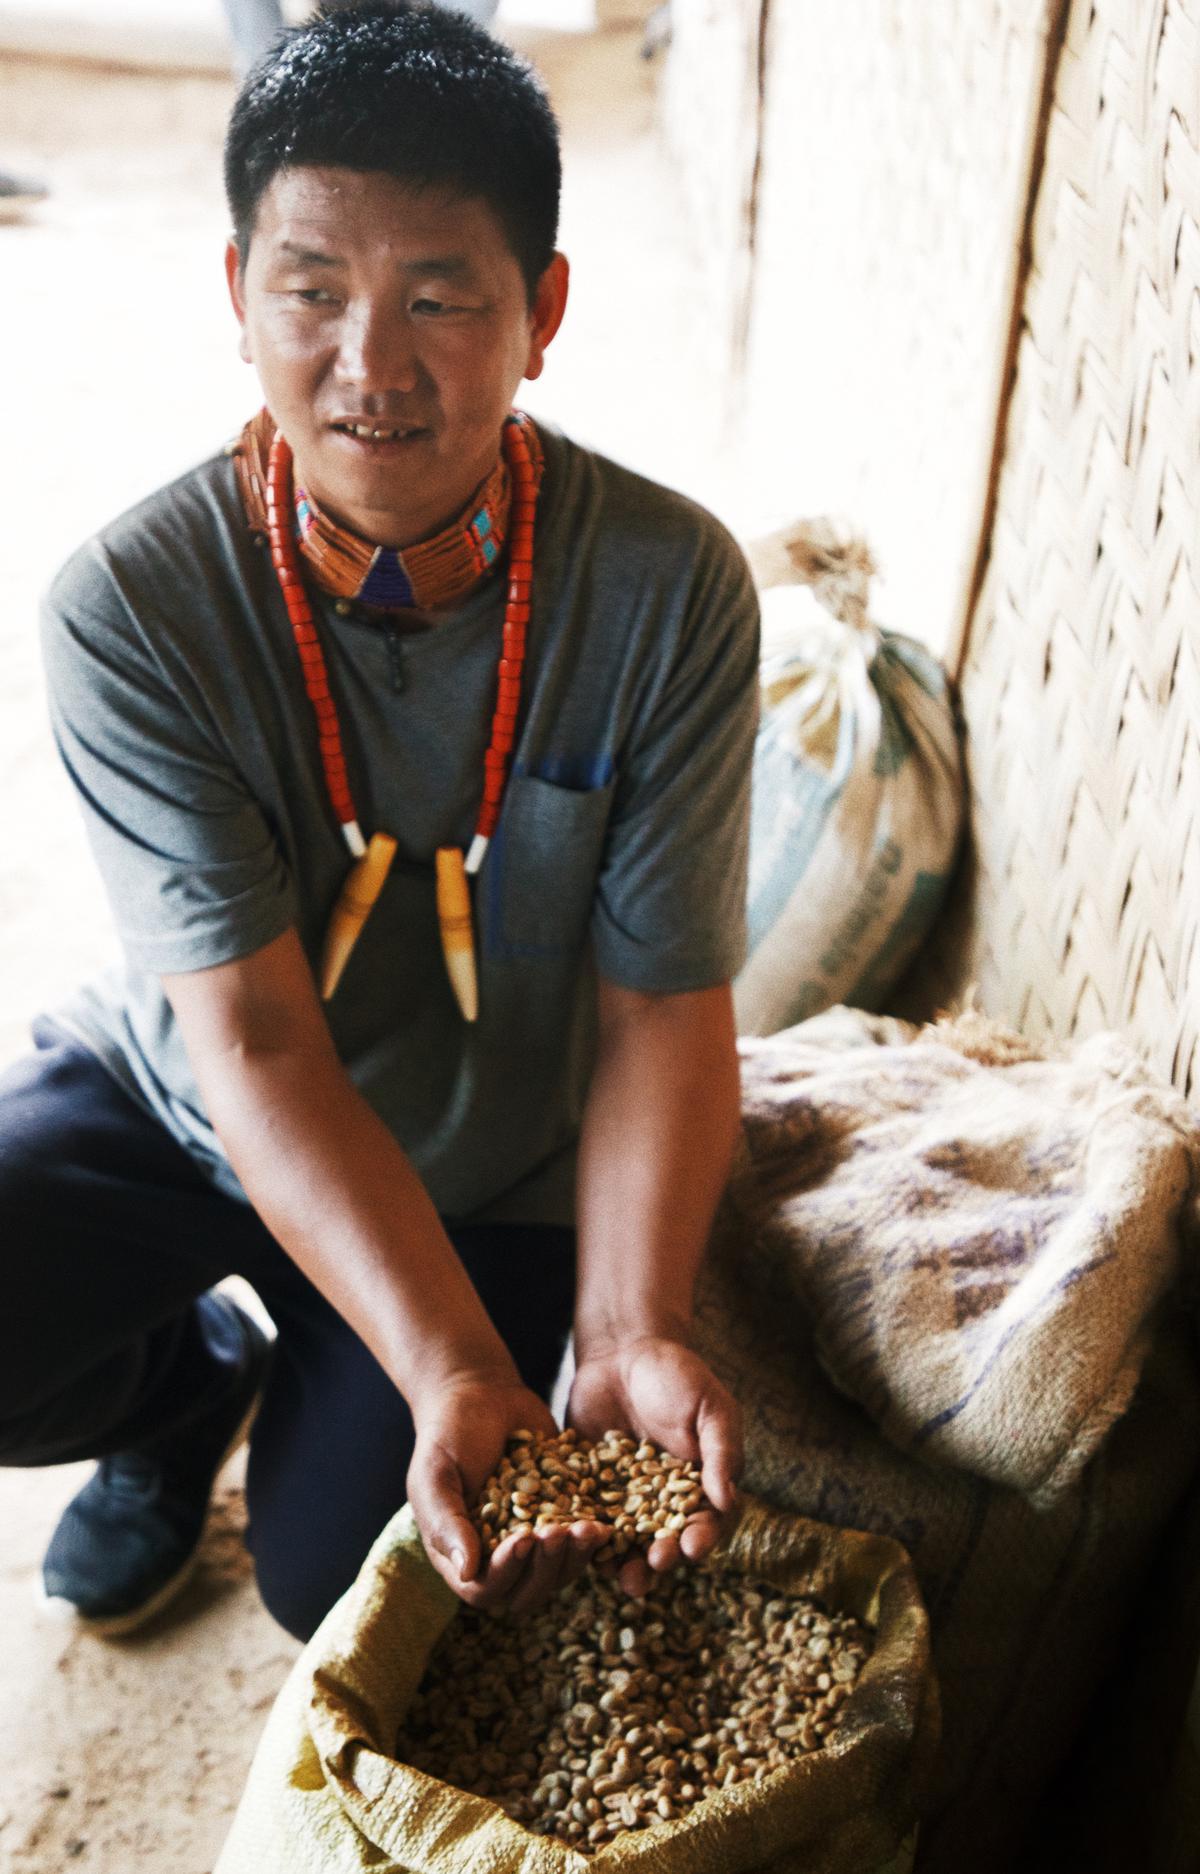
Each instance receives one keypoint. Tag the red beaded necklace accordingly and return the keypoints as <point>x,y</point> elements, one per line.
<point>372,861</point>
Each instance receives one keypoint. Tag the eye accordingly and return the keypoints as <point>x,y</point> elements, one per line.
<point>429,307</point>
<point>314,295</point>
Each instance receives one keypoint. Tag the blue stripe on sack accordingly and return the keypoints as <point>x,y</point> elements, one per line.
<point>921,665</point>
<point>920,909</point>
<point>845,941</point>
<point>790,803</point>
<point>787,818</point>
<point>896,741</point>
<point>1041,1306</point>
<point>809,999</point>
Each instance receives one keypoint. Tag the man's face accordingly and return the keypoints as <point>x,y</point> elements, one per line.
<point>368,305</point>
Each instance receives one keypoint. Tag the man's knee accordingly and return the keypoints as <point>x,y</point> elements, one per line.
<point>41,1099</point>
<point>48,1302</point>
<point>297,1589</point>
<point>307,1553</point>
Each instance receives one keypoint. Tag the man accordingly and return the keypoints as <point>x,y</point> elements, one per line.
<point>255,25</point>
<point>396,617</point>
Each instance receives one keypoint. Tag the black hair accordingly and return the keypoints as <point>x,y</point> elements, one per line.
<point>408,89</point>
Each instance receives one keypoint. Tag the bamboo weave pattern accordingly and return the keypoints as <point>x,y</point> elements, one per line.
<point>894,181</point>
<point>1081,687</point>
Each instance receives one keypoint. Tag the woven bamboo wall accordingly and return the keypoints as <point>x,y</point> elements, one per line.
<point>1082,681</point>
<point>896,144</point>
<point>710,117</point>
<point>855,182</point>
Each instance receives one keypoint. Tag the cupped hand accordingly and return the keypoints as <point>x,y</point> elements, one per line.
<point>462,1430</point>
<point>658,1388</point>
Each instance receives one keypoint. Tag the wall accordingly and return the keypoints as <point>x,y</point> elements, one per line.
<point>1082,684</point>
<point>868,269</point>
<point>711,115</point>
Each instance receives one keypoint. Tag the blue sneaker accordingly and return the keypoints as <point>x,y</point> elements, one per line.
<point>128,1541</point>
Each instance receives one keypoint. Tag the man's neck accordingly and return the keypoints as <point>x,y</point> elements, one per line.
<point>436,568</point>
<point>383,527</point>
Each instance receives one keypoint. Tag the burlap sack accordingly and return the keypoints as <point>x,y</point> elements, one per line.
<point>325,1795</point>
<point>1026,1603</point>
<point>980,1237</point>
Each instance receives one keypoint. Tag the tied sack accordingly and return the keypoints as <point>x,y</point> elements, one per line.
<point>326,1795</point>
<point>858,792</point>
<point>947,1287</point>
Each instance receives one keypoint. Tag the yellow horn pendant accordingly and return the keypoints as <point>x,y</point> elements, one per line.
<point>353,908</point>
<point>458,938</point>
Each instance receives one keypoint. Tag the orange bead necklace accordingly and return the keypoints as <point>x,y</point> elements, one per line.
<point>373,859</point>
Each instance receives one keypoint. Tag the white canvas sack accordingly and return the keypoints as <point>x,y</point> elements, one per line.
<point>858,794</point>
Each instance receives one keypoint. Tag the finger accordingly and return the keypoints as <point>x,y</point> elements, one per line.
<point>499,1578</point>
<point>663,1553</point>
<point>700,1536</point>
<point>479,1591</point>
<point>584,1539</point>
<point>635,1577</point>
<point>509,1560</point>
<point>543,1571</point>
<point>504,1571</point>
<point>451,1541</point>
<point>719,1429</point>
<point>559,1563</point>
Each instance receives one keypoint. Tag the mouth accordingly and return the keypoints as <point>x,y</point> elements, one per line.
<point>379,438</point>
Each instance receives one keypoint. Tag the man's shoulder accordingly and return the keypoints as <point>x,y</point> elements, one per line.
<point>188,533</point>
<point>632,513</point>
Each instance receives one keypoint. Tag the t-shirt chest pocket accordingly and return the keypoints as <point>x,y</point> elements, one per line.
<point>548,851</point>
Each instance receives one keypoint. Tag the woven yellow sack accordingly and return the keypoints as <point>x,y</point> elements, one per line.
<point>325,1795</point>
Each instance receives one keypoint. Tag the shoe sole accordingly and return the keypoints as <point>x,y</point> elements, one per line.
<point>108,1626</point>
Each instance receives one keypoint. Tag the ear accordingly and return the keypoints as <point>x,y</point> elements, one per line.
<point>237,296</point>
<point>546,313</point>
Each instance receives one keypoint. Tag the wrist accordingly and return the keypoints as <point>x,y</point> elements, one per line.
<point>460,1369</point>
<point>600,1336</point>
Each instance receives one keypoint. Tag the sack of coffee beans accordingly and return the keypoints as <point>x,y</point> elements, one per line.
<point>770,1712</point>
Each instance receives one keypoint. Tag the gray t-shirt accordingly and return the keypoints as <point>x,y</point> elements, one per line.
<point>179,709</point>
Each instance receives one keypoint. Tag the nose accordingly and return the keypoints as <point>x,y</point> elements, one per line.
<point>377,355</point>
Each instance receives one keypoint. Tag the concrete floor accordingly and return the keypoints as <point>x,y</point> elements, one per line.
<point>121,371</point>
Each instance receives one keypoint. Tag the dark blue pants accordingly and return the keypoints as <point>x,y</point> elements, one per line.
<point>109,1232</point>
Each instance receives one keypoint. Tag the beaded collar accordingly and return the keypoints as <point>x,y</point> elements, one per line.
<point>440,571</point>
<point>372,859</point>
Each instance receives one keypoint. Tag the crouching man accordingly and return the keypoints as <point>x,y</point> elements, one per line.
<point>413,742</point>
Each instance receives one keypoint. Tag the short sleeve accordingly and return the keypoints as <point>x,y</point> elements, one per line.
<point>192,870</point>
<point>670,910</point>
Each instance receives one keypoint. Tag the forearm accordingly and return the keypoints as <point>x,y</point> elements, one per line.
<point>336,1190</point>
<point>657,1142</point>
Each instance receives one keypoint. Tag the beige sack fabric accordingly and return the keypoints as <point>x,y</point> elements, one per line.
<point>1026,1601</point>
<point>325,1796</point>
<point>980,1237</point>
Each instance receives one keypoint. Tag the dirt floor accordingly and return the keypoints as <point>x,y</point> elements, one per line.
<point>121,372</point>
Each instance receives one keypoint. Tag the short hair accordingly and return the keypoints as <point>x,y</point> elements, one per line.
<point>404,88</point>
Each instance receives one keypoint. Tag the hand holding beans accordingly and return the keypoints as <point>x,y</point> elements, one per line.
<point>556,1508</point>
<point>632,1489</point>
